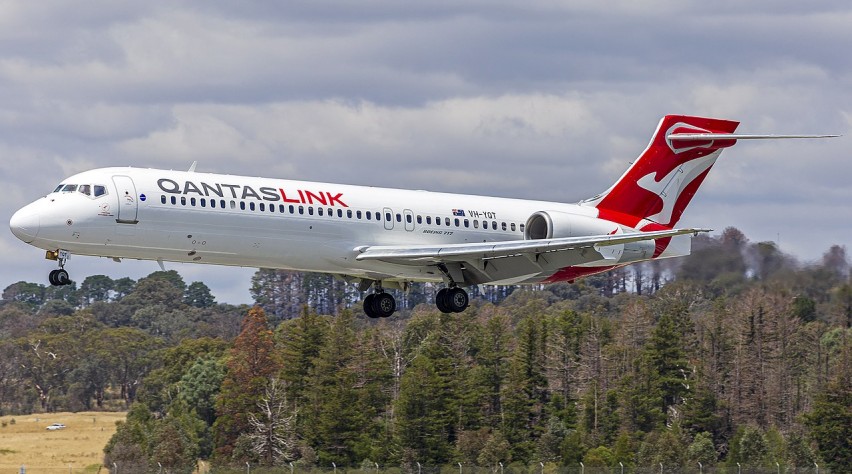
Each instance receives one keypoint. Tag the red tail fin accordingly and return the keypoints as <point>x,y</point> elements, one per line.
<point>661,182</point>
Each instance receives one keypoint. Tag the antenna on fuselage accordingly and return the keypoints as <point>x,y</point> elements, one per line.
<point>192,167</point>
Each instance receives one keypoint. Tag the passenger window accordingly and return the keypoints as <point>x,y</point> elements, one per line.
<point>174,200</point>
<point>233,205</point>
<point>476,224</point>
<point>320,211</point>
<point>222,204</point>
<point>262,206</point>
<point>503,226</point>
<point>340,213</point>
<point>429,220</point>
<point>242,205</point>
<point>203,202</point>
<point>183,200</point>
<point>311,210</point>
<point>408,218</point>
<point>330,212</point>
<point>369,215</point>
<point>399,217</point>
<point>447,221</point>
<point>281,208</point>
<point>292,209</point>
<point>212,203</point>
<point>251,206</point>
<point>302,210</point>
<point>513,226</point>
<point>163,198</point>
<point>85,189</point>
<point>493,225</point>
<point>419,220</point>
<point>388,216</point>
<point>457,222</point>
<point>349,213</point>
<point>522,227</point>
<point>466,223</point>
<point>100,190</point>
<point>192,202</point>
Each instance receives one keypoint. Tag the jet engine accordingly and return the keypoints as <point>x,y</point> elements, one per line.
<point>556,224</point>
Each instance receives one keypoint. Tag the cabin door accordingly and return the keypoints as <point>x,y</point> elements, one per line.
<point>128,200</point>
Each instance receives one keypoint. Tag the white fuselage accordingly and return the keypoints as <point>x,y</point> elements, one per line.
<point>273,223</point>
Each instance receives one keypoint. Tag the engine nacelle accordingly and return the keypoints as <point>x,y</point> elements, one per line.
<point>556,224</point>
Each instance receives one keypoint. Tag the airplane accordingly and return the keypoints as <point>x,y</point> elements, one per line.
<point>380,237</point>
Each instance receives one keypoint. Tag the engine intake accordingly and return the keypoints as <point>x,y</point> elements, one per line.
<point>555,224</point>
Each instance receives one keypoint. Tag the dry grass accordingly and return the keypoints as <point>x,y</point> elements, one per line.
<point>80,445</point>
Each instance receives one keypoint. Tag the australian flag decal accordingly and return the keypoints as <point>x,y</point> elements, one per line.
<point>458,212</point>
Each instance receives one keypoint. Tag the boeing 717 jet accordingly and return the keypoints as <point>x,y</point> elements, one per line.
<point>382,238</point>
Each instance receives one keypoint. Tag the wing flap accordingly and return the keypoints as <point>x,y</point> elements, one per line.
<point>425,254</point>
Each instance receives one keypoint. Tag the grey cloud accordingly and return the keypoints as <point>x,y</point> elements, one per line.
<point>545,99</point>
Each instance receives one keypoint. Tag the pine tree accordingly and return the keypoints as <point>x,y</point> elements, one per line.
<point>425,409</point>
<point>300,340</point>
<point>251,364</point>
<point>525,393</point>
<point>830,424</point>
<point>336,415</point>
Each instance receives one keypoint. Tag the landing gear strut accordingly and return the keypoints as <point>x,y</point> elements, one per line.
<point>379,304</point>
<point>451,300</point>
<point>59,277</point>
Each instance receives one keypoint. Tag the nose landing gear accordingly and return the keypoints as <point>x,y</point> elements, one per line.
<point>59,277</point>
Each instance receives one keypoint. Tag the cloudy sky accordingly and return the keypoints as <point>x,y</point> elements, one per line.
<point>532,99</point>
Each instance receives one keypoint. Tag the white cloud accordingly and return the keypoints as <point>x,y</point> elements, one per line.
<point>547,100</point>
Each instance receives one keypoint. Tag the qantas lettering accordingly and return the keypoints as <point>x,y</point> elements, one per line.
<point>235,191</point>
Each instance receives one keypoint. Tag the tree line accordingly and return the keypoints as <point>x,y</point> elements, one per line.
<point>736,354</point>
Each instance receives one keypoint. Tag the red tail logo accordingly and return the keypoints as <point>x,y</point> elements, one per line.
<point>665,177</point>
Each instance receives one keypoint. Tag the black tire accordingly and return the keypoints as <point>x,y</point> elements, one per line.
<point>457,300</point>
<point>62,277</point>
<point>368,306</point>
<point>51,277</point>
<point>384,305</point>
<point>441,301</point>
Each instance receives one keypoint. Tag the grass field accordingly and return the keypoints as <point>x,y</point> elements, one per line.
<point>80,445</point>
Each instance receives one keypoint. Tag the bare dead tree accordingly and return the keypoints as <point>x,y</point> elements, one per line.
<point>273,437</point>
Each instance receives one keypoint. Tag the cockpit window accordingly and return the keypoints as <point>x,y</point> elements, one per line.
<point>69,188</point>
<point>59,188</point>
<point>100,190</point>
<point>85,189</point>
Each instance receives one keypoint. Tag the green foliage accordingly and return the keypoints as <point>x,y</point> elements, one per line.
<point>599,457</point>
<point>673,376</point>
<point>830,423</point>
<point>200,386</point>
<point>664,447</point>
<point>702,450</point>
<point>424,409</point>
<point>198,295</point>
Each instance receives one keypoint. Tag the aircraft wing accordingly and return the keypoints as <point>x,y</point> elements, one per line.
<point>434,254</point>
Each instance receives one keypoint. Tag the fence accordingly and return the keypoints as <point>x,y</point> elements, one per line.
<point>540,468</point>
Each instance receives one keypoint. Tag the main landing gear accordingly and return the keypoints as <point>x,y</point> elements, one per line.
<point>379,304</point>
<point>382,305</point>
<point>59,277</point>
<point>451,300</point>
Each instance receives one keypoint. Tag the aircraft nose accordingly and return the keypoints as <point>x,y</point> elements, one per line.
<point>25,225</point>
